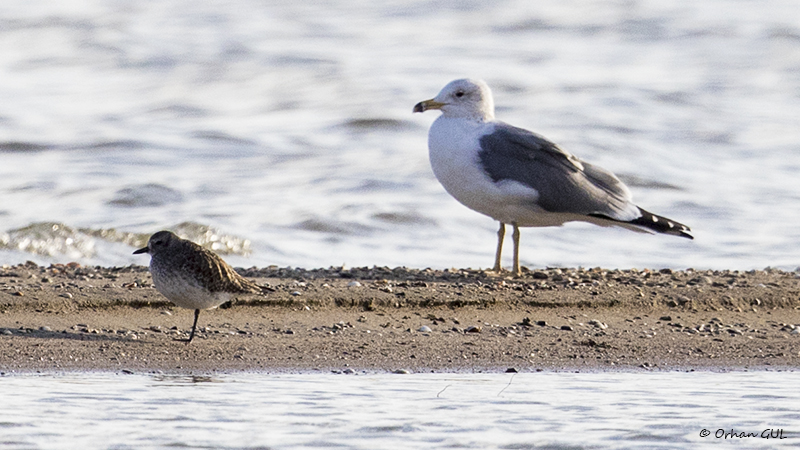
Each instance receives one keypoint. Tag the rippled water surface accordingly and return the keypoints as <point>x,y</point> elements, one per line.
<point>281,132</point>
<point>387,411</point>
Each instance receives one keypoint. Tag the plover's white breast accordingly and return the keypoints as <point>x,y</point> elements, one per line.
<point>186,291</point>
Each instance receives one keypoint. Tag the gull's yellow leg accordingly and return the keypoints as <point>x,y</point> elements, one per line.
<point>501,233</point>
<point>515,235</point>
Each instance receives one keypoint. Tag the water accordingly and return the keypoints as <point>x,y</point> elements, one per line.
<point>281,132</point>
<point>386,411</point>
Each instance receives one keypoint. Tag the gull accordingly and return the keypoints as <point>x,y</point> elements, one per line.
<point>520,178</point>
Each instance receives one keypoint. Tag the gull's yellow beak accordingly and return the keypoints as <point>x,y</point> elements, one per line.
<point>426,105</point>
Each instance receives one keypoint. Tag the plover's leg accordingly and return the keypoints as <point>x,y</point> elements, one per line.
<point>515,235</point>
<point>501,233</point>
<point>194,325</point>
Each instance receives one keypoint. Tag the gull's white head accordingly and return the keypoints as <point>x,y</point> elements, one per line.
<point>464,98</point>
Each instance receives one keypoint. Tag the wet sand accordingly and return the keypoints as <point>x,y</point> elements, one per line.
<point>73,318</point>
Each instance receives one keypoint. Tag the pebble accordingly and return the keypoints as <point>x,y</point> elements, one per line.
<point>402,372</point>
<point>341,325</point>
<point>65,295</point>
<point>348,371</point>
<point>473,330</point>
<point>7,331</point>
<point>353,284</point>
<point>598,324</point>
<point>665,318</point>
<point>296,293</point>
<point>45,328</point>
<point>166,313</point>
<point>511,370</point>
<point>424,329</point>
<point>566,327</point>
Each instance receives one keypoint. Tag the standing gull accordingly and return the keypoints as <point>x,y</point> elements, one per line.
<point>191,276</point>
<point>520,178</point>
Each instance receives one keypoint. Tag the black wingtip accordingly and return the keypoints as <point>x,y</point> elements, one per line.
<point>662,224</point>
<point>656,223</point>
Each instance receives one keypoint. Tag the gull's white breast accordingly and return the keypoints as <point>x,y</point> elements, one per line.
<point>453,146</point>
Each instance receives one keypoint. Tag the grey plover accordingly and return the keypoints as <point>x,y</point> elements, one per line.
<point>191,276</point>
<point>520,178</point>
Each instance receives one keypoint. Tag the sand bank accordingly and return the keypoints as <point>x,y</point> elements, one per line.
<point>68,317</point>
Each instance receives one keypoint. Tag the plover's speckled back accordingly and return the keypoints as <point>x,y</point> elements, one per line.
<point>191,276</point>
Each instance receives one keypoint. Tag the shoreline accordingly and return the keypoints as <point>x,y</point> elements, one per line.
<point>66,318</point>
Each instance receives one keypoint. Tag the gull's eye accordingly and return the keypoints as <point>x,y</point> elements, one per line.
<point>459,94</point>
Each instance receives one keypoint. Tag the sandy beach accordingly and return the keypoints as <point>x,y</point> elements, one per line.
<point>68,317</point>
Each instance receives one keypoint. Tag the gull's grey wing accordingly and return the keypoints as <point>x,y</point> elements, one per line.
<point>565,184</point>
<point>606,180</point>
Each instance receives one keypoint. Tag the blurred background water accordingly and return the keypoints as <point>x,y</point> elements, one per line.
<point>282,133</point>
<point>666,410</point>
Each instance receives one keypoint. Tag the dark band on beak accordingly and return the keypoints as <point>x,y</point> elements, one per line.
<point>426,105</point>
<point>141,250</point>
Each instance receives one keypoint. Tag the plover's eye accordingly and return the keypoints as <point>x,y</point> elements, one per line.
<point>459,94</point>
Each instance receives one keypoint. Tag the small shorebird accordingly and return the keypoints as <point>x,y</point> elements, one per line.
<point>520,178</point>
<point>191,276</point>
